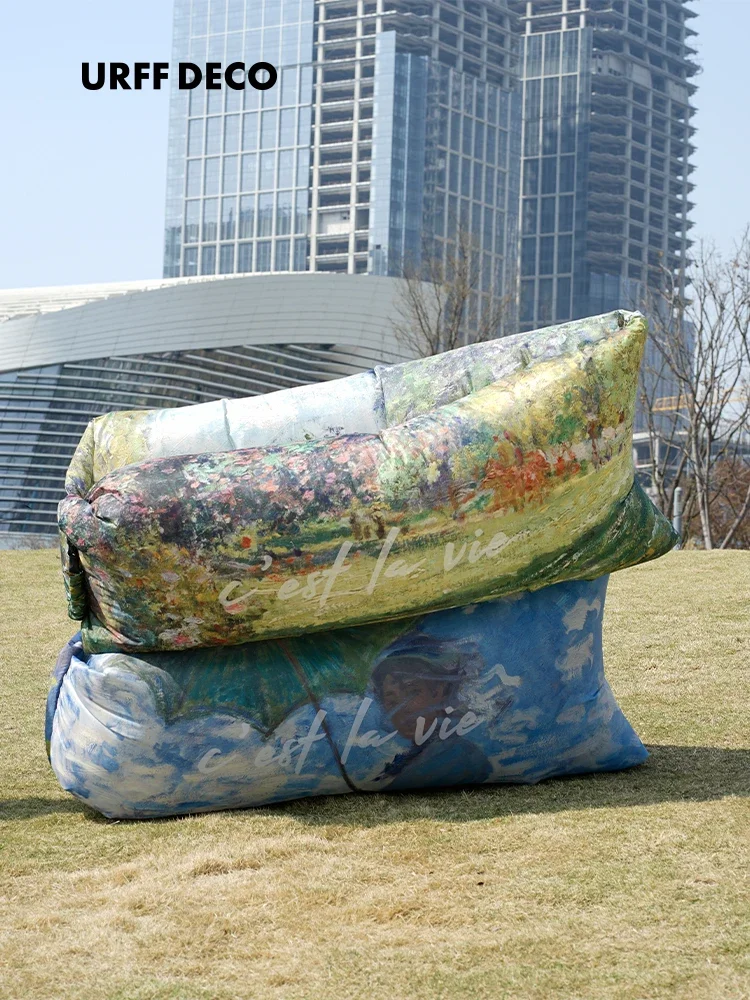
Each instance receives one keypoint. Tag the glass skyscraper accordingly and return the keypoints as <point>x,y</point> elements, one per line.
<point>395,126</point>
<point>606,153</point>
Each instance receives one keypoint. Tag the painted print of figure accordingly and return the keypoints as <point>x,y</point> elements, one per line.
<point>417,681</point>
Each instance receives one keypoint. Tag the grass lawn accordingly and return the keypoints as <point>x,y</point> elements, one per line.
<point>632,885</point>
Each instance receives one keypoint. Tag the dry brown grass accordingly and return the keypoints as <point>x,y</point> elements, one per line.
<point>632,885</point>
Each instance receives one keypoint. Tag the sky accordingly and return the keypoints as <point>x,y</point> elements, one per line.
<point>83,173</point>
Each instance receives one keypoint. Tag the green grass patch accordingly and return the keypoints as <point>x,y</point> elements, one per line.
<point>631,885</point>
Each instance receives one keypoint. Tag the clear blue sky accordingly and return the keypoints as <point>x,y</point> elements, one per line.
<point>82,174</point>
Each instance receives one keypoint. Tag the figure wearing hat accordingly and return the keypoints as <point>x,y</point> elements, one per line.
<point>417,680</point>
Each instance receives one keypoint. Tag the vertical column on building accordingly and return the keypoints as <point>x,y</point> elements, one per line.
<point>320,28</point>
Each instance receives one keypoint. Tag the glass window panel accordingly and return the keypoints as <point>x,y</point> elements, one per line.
<point>530,212</point>
<point>249,172</point>
<point>549,137</point>
<point>544,314</point>
<point>283,249</point>
<point>229,180</point>
<point>551,98</point>
<point>193,182</point>
<point>570,51</point>
<point>491,104</point>
<point>289,45</point>
<point>236,15</point>
<point>455,131</point>
<point>453,172</point>
<point>267,170</point>
<point>564,254</point>
<point>468,136</point>
<point>548,215</point>
<point>534,55</point>
<point>213,135</point>
<point>567,173</point>
<point>195,137</point>
<point>300,215</point>
<point>300,255</point>
<point>218,19</point>
<point>531,138</point>
<point>491,144</point>
<point>208,260</point>
<point>271,41</point>
<point>226,259</point>
<point>251,98</point>
<point>478,181</point>
<point>228,218</point>
<point>533,107</point>
<point>528,255</point>
<point>197,102</point>
<point>487,226</point>
<point>562,310</point>
<point>190,265</point>
<point>214,101</point>
<point>265,215</point>
<point>565,220</point>
<point>549,175</point>
<point>210,219</point>
<point>481,99</point>
<point>247,217</point>
<point>269,124</point>
<point>305,124</point>
<point>489,185</point>
<point>289,85</point>
<point>527,301</point>
<point>303,167</point>
<point>192,221</point>
<point>231,133</point>
<point>199,22</point>
<point>569,95</point>
<point>568,137</point>
<point>253,35</point>
<point>466,178</point>
<point>551,53</point>
<point>288,127</point>
<point>250,130</point>
<point>531,177</point>
<point>272,12</point>
<point>211,176</point>
<point>244,258</point>
<point>286,168</point>
<point>476,220</point>
<point>502,149</point>
<point>306,84</point>
<point>546,254</point>
<point>233,99</point>
<point>284,213</point>
<point>263,256</point>
<point>290,11</point>
<point>479,140</point>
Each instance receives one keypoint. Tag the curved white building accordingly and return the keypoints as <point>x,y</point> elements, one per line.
<point>70,354</point>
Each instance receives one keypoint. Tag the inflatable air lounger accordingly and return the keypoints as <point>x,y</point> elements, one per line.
<point>390,581</point>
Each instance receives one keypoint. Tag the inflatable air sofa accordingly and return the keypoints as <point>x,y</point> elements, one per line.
<point>394,580</point>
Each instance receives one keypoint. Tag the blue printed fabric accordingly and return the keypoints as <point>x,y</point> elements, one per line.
<point>511,690</point>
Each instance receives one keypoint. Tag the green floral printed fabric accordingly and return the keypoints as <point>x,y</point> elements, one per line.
<point>483,472</point>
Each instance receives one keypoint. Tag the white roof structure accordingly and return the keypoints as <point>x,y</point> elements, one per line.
<point>42,326</point>
<point>70,354</point>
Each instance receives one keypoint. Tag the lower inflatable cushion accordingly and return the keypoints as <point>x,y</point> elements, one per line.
<point>511,690</point>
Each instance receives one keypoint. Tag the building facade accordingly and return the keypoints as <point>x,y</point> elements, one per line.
<point>607,88</point>
<point>394,131</point>
<point>68,355</point>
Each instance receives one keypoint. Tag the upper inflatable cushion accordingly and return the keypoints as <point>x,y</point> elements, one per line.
<point>502,467</point>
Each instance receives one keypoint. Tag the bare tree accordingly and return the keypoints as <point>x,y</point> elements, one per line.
<point>700,433</point>
<point>439,307</point>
